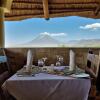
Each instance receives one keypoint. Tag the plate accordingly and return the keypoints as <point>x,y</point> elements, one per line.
<point>82,75</point>
<point>60,68</point>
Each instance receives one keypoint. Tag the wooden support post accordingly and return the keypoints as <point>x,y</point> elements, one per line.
<point>5,6</point>
<point>2,27</point>
<point>98,64</point>
<point>46,9</point>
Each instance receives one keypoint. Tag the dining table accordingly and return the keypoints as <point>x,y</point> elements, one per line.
<point>45,86</point>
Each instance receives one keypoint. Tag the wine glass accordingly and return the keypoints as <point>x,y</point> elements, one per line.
<point>44,59</point>
<point>40,63</point>
<point>58,63</point>
<point>61,60</point>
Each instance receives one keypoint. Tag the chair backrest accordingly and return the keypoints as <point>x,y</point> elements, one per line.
<point>98,64</point>
<point>3,58</point>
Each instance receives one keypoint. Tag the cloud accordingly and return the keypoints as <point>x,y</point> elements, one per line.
<point>54,34</point>
<point>93,26</point>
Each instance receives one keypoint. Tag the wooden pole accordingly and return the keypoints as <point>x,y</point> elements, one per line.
<point>46,9</point>
<point>2,27</point>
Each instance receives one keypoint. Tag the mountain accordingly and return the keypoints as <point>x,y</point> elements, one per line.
<point>85,43</point>
<point>43,40</point>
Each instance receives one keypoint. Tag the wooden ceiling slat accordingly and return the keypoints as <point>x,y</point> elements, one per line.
<point>52,12</point>
<point>27,1</point>
<point>57,1</point>
<point>21,12</point>
<point>85,14</point>
<point>72,6</point>
<point>16,18</point>
<point>88,14</point>
<point>24,5</point>
<point>69,10</point>
<point>40,10</point>
<point>72,1</point>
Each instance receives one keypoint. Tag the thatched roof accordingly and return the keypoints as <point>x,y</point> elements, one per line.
<point>23,9</point>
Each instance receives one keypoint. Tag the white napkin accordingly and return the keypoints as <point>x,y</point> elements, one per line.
<point>72,60</point>
<point>29,58</point>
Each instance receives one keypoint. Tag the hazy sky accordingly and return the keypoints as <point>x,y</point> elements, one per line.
<point>63,29</point>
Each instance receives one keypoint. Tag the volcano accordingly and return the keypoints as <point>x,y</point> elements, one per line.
<point>43,40</point>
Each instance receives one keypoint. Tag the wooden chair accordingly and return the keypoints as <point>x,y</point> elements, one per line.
<point>92,94</point>
<point>4,70</point>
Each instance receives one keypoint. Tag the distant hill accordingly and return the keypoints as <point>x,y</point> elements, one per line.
<point>85,43</point>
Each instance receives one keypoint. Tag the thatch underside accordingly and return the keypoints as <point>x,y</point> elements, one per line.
<point>23,9</point>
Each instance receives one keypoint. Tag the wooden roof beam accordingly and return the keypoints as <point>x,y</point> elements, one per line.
<point>46,9</point>
<point>97,9</point>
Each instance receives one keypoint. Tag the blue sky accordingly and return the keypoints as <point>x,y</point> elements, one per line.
<point>63,29</point>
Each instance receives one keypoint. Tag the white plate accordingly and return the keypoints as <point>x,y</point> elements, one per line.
<point>60,68</point>
<point>82,75</point>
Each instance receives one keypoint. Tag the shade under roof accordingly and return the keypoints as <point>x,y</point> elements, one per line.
<point>23,9</point>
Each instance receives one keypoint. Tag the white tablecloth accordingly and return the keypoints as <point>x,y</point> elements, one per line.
<point>47,87</point>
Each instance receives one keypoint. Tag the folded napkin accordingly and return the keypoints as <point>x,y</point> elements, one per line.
<point>72,60</point>
<point>29,58</point>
